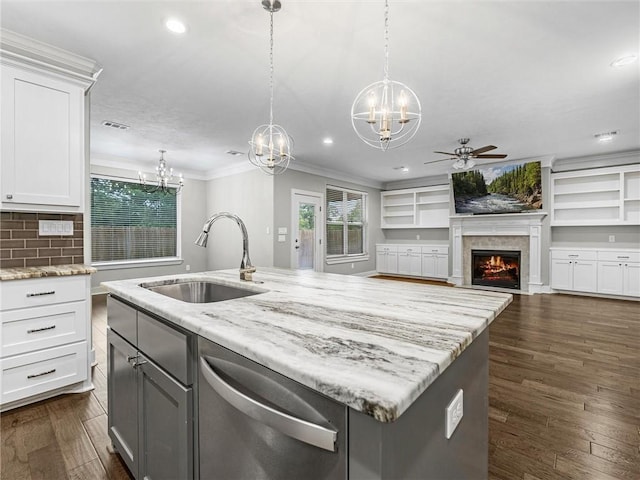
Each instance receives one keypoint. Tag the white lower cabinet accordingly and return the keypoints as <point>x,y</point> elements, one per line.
<point>386,259</point>
<point>610,272</point>
<point>44,325</point>
<point>409,261</point>
<point>430,261</point>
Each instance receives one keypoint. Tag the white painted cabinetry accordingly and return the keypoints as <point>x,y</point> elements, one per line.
<point>43,126</point>
<point>430,261</point>
<point>45,340</point>
<point>409,260</point>
<point>386,258</point>
<point>435,261</point>
<point>605,271</point>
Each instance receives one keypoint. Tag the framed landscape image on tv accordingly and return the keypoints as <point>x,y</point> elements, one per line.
<point>498,189</point>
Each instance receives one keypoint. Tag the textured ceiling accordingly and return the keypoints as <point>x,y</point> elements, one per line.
<point>531,77</point>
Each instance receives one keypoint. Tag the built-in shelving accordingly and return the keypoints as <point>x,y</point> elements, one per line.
<point>602,196</point>
<point>425,207</point>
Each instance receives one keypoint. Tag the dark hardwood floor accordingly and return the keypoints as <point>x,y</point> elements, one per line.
<point>564,400</point>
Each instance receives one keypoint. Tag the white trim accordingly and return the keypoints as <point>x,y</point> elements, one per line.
<point>318,264</point>
<point>228,171</point>
<point>370,273</point>
<point>134,166</point>
<point>347,259</point>
<point>145,262</point>
<point>334,174</point>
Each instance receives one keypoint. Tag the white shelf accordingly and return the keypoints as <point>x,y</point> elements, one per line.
<point>428,207</point>
<point>601,196</point>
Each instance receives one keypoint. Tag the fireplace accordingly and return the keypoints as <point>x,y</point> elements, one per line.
<point>496,268</point>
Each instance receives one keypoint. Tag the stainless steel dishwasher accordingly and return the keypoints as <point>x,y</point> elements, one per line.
<point>257,424</point>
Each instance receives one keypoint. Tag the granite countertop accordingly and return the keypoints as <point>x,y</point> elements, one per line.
<point>374,345</point>
<point>48,271</point>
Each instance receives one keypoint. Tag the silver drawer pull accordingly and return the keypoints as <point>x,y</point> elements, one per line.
<point>622,258</point>
<point>34,330</point>
<point>40,294</point>
<point>574,256</point>
<point>41,374</point>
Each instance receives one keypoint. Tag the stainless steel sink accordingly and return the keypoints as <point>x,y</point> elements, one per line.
<point>201,291</point>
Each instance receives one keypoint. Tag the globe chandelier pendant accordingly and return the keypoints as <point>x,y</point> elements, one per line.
<point>164,176</point>
<point>270,145</point>
<point>386,114</point>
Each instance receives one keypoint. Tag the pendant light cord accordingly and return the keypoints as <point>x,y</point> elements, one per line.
<point>386,39</point>
<point>271,68</point>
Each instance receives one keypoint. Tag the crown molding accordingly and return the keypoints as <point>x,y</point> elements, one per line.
<point>334,174</point>
<point>131,165</point>
<point>596,161</point>
<point>27,51</point>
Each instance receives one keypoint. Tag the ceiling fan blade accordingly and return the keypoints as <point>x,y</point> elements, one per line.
<point>483,149</point>
<point>491,155</point>
<point>436,161</point>
<point>448,153</point>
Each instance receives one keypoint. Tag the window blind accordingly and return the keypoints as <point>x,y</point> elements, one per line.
<point>128,223</point>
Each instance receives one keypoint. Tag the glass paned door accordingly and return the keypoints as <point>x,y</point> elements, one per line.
<point>307,251</point>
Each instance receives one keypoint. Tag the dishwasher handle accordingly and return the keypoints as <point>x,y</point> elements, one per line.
<point>306,432</point>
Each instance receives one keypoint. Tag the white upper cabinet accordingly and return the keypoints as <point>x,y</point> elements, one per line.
<point>43,129</point>
<point>601,196</point>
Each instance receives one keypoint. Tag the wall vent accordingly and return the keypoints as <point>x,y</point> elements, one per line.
<point>119,126</point>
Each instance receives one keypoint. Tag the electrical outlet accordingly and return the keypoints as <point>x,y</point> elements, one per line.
<point>418,236</point>
<point>353,265</point>
<point>188,268</point>
<point>612,238</point>
<point>453,414</point>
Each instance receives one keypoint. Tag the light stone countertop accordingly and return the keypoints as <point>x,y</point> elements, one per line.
<point>48,271</point>
<point>372,344</point>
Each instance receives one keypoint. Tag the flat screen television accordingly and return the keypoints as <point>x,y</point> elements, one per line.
<point>498,189</point>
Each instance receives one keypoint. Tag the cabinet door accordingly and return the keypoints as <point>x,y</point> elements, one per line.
<point>428,265</point>
<point>632,279</point>
<point>392,262</point>
<point>165,425</point>
<point>42,141</point>
<point>442,266</point>
<point>610,278</point>
<point>415,264</point>
<point>404,263</point>
<point>561,274</point>
<point>381,262</point>
<point>585,275</point>
<point>123,399</point>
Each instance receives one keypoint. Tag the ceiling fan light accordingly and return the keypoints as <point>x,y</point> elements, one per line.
<point>470,163</point>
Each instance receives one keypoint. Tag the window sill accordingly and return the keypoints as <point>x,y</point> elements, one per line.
<point>347,259</point>
<point>148,262</point>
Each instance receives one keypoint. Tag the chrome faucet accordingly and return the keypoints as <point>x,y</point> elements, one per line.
<point>246,269</point>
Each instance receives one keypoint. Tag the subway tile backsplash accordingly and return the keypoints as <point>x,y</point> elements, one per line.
<point>22,246</point>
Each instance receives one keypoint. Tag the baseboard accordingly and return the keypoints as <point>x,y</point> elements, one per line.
<point>596,295</point>
<point>365,274</point>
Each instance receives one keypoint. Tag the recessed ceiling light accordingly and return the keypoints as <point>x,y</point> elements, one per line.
<point>327,141</point>
<point>403,169</point>
<point>605,137</point>
<point>624,60</point>
<point>176,26</point>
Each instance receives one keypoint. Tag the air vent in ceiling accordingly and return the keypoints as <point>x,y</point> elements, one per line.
<point>119,126</point>
<point>234,152</point>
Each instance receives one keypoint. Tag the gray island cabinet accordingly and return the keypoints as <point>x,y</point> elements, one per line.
<point>307,375</point>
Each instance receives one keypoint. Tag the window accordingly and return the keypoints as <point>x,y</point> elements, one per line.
<point>130,225</point>
<point>346,223</point>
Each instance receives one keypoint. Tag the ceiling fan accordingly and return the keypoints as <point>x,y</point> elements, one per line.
<point>465,155</point>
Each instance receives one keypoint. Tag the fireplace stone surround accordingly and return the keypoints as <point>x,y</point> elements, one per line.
<point>517,231</point>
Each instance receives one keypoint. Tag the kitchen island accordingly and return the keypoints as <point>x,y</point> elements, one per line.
<point>386,350</point>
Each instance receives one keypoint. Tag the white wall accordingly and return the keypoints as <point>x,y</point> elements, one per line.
<point>250,196</point>
<point>194,213</point>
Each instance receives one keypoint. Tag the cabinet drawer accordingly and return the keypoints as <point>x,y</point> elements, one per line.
<point>618,256</point>
<point>34,292</point>
<point>31,329</point>
<point>407,249</point>
<point>167,346</point>
<point>430,249</point>
<point>122,319</point>
<point>38,372</point>
<point>386,248</point>
<point>574,254</point>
